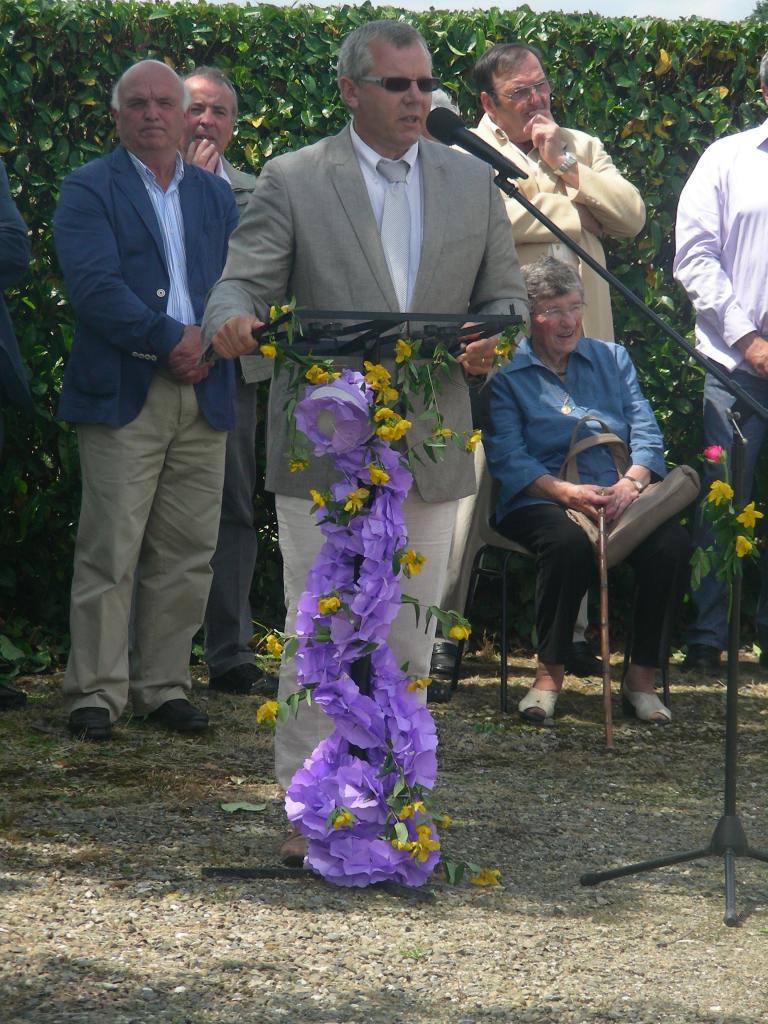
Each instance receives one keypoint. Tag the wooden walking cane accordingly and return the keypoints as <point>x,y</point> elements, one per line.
<point>605,650</point>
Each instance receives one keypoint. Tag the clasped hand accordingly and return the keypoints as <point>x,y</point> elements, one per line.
<point>589,499</point>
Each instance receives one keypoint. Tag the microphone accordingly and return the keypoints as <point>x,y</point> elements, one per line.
<point>448,127</point>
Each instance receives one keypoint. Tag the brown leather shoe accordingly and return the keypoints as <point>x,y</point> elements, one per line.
<point>294,850</point>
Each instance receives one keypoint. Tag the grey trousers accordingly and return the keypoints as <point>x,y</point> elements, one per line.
<point>228,617</point>
<point>429,531</point>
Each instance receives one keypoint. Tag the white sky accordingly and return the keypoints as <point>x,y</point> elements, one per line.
<point>722,10</point>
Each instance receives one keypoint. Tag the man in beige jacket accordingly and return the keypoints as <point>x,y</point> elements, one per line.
<point>574,182</point>
<point>571,178</point>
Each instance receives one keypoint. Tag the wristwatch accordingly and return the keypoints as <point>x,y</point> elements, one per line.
<point>639,485</point>
<point>569,161</point>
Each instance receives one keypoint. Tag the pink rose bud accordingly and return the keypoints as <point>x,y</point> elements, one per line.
<point>713,453</point>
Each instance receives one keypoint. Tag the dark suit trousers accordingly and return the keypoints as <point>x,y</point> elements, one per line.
<point>566,567</point>
<point>228,617</point>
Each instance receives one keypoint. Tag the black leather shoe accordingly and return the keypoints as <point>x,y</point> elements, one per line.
<point>703,659</point>
<point>439,692</point>
<point>582,662</point>
<point>90,724</point>
<point>179,715</point>
<point>10,698</point>
<point>444,655</point>
<point>244,680</point>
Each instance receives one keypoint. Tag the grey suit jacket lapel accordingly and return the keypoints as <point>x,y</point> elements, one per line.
<point>433,185</point>
<point>347,180</point>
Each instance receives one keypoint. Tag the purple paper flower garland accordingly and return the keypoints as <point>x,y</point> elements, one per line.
<point>364,816</point>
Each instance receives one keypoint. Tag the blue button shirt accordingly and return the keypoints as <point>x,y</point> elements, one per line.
<point>532,414</point>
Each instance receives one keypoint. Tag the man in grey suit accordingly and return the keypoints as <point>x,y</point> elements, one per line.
<point>313,230</point>
<point>211,118</point>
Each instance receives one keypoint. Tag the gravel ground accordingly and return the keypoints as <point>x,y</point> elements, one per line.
<point>107,920</point>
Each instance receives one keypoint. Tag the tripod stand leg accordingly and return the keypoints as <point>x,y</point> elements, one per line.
<point>596,877</point>
<point>729,862</point>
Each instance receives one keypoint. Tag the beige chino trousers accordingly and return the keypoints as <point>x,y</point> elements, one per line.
<point>151,501</point>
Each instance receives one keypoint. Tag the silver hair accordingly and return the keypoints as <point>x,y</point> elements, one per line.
<point>217,76</point>
<point>115,100</point>
<point>440,98</point>
<point>548,278</point>
<point>355,59</point>
<point>764,70</point>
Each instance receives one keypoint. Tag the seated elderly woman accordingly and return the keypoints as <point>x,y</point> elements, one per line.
<point>556,377</point>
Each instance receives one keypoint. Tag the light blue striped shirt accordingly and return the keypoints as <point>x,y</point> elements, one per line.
<point>167,207</point>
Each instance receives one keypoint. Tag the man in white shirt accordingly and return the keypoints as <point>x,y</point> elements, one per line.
<point>722,224</point>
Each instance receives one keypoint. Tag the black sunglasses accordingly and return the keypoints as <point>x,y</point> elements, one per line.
<point>402,84</point>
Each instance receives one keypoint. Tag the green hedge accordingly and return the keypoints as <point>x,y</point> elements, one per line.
<point>655,92</point>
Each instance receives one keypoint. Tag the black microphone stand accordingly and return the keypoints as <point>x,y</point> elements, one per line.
<point>729,839</point>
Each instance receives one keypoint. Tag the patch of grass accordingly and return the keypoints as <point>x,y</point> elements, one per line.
<point>413,953</point>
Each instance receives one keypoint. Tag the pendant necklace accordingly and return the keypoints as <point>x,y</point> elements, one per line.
<point>568,404</point>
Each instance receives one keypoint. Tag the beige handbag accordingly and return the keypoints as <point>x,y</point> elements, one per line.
<point>657,502</point>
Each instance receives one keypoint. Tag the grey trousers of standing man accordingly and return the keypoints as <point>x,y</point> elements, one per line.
<point>228,617</point>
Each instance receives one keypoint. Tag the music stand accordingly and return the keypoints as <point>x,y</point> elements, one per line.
<point>371,335</point>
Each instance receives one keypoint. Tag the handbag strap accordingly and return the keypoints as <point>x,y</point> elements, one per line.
<point>619,452</point>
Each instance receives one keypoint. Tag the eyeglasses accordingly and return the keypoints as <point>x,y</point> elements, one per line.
<point>402,84</point>
<point>526,91</point>
<point>559,313</point>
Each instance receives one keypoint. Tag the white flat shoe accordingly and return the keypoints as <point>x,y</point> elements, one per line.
<point>538,706</point>
<point>646,707</point>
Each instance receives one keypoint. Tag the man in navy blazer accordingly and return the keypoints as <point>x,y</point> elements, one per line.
<point>141,238</point>
<point>14,390</point>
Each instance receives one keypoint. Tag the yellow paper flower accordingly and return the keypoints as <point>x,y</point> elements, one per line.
<point>386,395</point>
<point>268,350</point>
<point>296,465</point>
<point>273,645</point>
<point>424,843</point>
<point>418,684</point>
<point>408,811</point>
<point>743,545</point>
<point>503,348</point>
<point>400,844</point>
<point>393,431</point>
<point>328,605</point>
<point>749,515</point>
<point>389,415</point>
<point>459,632</point>
<point>403,350</point>
<point>266,714</point>
<point>471,443</point>
<point>442,820</point>
<point>486,876</point>
<point>376,474</point>
<point>273,313</point>
<point>376,375</point>
<point>343,819</point>
<point>317,497</point>
<point>412,562</point>
<point>356,499</point>
<point>445,432</point>
<point>719,491</point>
<point>318,375</point>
